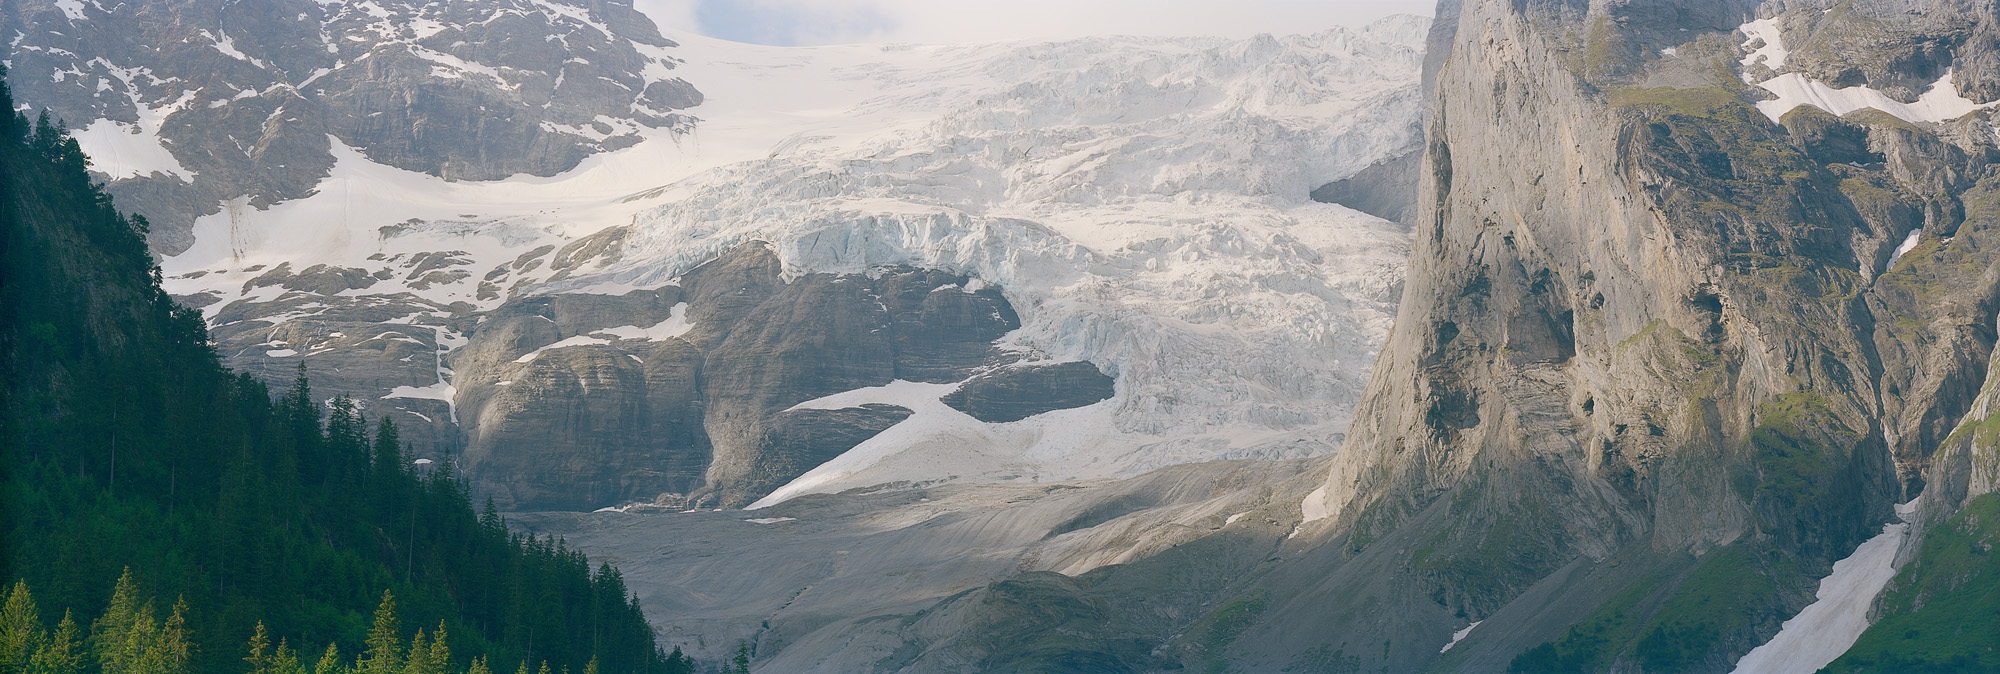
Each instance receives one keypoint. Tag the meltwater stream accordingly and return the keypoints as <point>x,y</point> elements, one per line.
<point>1827,628</point>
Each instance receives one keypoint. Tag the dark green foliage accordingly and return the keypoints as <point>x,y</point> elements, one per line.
<point>126,444</point>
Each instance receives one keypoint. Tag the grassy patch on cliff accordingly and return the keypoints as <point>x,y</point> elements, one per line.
<point>1792,465</point>
<point>1664,624</point>
<point>1220,627</point>
<point>1942,612</point>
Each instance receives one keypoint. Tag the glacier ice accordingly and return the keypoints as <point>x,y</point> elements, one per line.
<point>1141,201</point>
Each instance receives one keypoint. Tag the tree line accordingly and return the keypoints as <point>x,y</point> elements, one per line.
<point>128,452</point>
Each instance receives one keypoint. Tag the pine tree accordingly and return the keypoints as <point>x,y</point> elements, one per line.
<point>285,661</point>
<point>479,666</point>
<point>21,633</point>
<point>260,662</point>
<point>63,652</point>
<point>592,667</point>
<point>330,663</point>
<point>123,636</point>
<point>170,651</point>
<point>385,650</point>
<point>440,653</point>
<point>419,659</point>
<point>740,664</point>
<point>388,452</point>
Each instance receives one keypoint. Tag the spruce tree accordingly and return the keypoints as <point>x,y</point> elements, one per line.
<point>169,651</point>
<point>123,636</point>
<point>63,652</point>
<point>385,651</point>
<point>260,661</point>
<point>419,659</point>
<point>330,663</point>
<point>21,633</point>
<point>440,653</point>
<point>284,661</point>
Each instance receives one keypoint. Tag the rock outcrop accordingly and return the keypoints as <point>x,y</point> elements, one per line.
<point>691,391</point>
<point>198,102</point>
<point>1669,347</point>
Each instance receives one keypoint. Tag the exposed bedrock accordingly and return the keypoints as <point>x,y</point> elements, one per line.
<point>586,401</point>
<point>1658,364</point>
<point>1016,393</point>
<point>238,103</point>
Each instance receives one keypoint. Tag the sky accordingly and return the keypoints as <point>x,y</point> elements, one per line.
<point>817,22</point>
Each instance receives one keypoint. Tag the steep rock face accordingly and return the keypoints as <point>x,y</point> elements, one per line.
<point>690,392</point>
<point>1645,322</point>
<point>1668,349</point>
<point>186,104</point>
<point>1386,189</point>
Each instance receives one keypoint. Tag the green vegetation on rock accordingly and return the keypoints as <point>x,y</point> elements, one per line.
<point>1942,611</point>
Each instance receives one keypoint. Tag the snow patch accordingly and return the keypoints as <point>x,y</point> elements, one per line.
<point>579,340</point>
<point>1828,627</point>
<point>1460,635</point>
<point>1940,102</point>
<point>771,520</point>
<point>126,151</point>
<point>1772,52</point>
<point>1909,242</point>
<point>675,325</point>
<point>1315,507</point>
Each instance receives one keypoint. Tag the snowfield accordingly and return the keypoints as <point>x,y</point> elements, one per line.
<point>1766,43</point>
<point>1141,201</point>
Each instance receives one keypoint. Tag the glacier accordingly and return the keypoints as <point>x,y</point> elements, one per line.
<point>1142,202</point>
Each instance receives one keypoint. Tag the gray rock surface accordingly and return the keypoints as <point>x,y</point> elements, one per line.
<point>1387,189</point>
<point>1658,366</point>
<point>1016,393</point>
<point>245,97</point>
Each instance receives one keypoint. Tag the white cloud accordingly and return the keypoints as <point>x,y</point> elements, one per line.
<point>963,21</point>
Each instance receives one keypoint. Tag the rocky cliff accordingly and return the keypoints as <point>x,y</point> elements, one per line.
<point>1696,298</point>
<point>187,104</point>
<point>953,273</point>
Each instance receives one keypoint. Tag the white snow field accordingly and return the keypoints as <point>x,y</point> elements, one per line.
<point>1141,201</point>
<point>1939,103</point>
<point>1828,627</point>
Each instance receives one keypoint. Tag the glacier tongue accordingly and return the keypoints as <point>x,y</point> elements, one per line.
<point>1142,201</point>
<point>1144,205</point>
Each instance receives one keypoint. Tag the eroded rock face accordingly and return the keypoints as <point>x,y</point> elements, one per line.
<point>682,393</point>
<point>1016,393</point>
<point>1658,364</point>
<point>584,401</point>
<point>204,102</point>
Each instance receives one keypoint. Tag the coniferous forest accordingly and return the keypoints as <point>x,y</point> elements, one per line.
<point>163,514</point>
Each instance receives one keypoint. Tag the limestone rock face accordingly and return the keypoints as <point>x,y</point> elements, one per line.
<point>582,401</point>
<point>202,102</point>
<point>1665,352</point>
